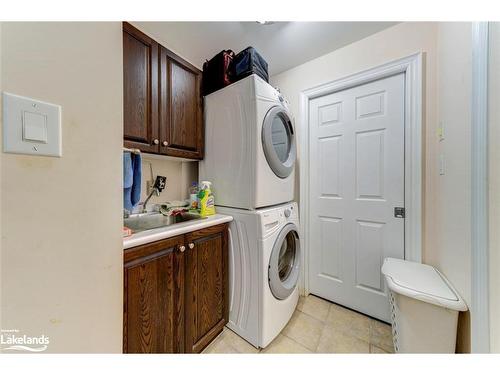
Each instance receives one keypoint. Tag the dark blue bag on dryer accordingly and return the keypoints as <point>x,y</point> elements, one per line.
<point>247,62</point>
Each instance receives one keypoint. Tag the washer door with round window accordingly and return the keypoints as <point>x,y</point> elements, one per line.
<point>278,141</point>
<point>284,264</point>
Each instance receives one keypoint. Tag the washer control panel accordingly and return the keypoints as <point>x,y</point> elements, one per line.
<point>290,212</point>
<point>275,218</point>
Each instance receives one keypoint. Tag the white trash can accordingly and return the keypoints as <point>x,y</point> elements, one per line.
<point>424,307</point>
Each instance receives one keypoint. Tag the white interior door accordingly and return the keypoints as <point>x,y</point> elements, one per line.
<point>356,182</point>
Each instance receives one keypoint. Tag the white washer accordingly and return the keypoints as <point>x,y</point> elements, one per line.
<point>264,268</point>
<point>250,148</point>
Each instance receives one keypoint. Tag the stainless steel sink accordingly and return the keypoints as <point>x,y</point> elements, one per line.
<point>146,221</point>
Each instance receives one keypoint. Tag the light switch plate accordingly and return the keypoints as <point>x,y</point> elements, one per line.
<point>31,126</point>
<point>34,127</point>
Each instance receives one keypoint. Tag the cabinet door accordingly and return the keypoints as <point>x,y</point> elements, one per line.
<point>154,298</point>
<point>140,90</point>
<point>206,301</point>
<point>181,117</point>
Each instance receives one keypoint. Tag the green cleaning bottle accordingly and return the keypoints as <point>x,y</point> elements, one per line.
<point>206,199</point>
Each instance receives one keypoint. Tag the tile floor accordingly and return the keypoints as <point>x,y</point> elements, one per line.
<point>317,326</point>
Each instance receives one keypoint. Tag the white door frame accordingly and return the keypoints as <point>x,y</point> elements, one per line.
<point>412,67</point>
<point>480,326</point>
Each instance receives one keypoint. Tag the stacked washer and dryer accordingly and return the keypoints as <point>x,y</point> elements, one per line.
<point>250,154</point>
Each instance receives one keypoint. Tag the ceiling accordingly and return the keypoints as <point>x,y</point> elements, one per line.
<point>283,45</point>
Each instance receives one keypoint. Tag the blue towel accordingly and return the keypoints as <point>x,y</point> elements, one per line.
<point>128,173</point>
<point>132,170</point>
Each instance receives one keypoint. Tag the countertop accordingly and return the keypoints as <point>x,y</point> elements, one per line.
<point>157,234</point>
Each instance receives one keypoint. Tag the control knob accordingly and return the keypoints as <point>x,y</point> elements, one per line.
<point>287,212</point>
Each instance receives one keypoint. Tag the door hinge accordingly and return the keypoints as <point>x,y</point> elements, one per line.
<point>399,212</point>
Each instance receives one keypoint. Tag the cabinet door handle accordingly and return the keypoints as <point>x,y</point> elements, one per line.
<point>165,143</point>
<point>156,141</point>
<point>191,245</point>
<point>182,248</point>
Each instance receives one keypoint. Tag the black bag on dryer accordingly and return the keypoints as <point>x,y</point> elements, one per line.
<point>247,62</point>
<point>216,72</point>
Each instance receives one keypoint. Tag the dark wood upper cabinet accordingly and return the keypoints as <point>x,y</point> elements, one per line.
<point>176,292</point>
<point>206,288</point>
<point>154,298</point>
<point>163,107</point>
<point>140,90</point>
<point>181,117</point>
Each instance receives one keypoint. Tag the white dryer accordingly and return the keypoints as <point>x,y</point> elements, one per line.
<point>264,269</point>
<point>250,145</point>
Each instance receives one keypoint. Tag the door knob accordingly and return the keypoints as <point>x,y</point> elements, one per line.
<point>191,245</point>
<point>182,248</point>
<point>165,143</point>
<point>156,141</point>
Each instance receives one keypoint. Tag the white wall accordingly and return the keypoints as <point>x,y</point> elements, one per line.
<point>451,250</point>
<point>447,72</point>
<point>494,176</point>
<point>61,244</point>
<point>179,175</point>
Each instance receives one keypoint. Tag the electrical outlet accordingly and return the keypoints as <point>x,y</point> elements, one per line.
<point>441,165</point>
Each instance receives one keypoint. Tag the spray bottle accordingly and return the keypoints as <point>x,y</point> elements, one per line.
<point>206,199</point>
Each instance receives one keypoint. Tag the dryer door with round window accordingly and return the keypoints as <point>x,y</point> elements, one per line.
<point>284,263</point>
<point>278,141</point>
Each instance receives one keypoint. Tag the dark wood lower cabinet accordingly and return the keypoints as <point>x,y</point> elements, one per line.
<point>154,298</point>
<point>176,292</point>
<point>206,287</point>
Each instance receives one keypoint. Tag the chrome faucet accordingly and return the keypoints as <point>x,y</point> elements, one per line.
<point>159,185</point>
<point>153,191</point>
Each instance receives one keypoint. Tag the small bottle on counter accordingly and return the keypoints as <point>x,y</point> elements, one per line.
<point>193,196</point>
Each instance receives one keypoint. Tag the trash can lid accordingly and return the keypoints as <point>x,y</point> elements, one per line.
<point>422,282</point>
